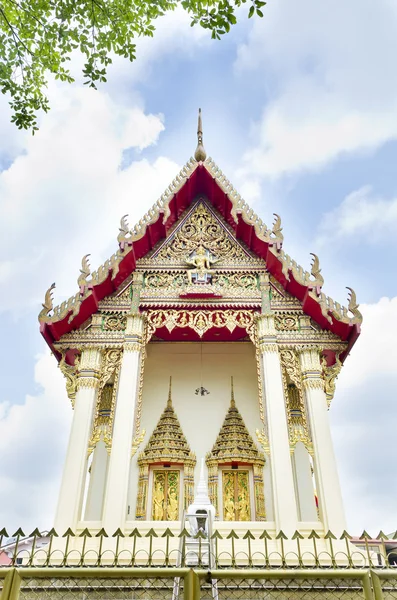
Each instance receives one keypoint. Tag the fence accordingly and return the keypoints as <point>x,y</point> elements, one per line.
<point>32,583</point>
<point>231,549</point>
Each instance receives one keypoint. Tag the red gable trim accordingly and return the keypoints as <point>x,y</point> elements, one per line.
<point>200,183</point>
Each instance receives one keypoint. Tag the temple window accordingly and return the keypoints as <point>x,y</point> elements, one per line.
<point>235,472</point>
<point>166,471</point>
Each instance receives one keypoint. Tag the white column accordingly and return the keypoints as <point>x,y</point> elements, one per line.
<point>284,505</point>
<point>74,473</point>
<point>330,497</point>
<point>115,506</point>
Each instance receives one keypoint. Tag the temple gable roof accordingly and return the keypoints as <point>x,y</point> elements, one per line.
<point>199,180</point>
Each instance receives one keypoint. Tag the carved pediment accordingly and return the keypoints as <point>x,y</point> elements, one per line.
<point>202,228</point>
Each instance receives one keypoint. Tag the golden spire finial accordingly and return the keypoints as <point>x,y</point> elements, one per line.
<point>232,402</point>
<point>169,401</point>
<point>200,154</point>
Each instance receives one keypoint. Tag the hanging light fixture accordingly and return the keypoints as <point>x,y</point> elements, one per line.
<point>201,391</point>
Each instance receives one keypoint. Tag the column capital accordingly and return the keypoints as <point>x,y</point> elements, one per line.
<point>267,341</point>
<point>134,333</point>
<point>89,368</point>
<point>310,361</point>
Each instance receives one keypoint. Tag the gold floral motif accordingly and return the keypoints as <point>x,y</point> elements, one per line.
<point>138,410</point>
<point>330,375</point>
<point>286,322</point>
<point>295,404</point>
<point>202,228</point>
<point>115,322</point>
<point>137,441</point>
<point>200,321</point>
<point>70,374</point>
<point>263,439</point>
<point>312,383</point>
<point>84,381</point>
<point>106,400</point>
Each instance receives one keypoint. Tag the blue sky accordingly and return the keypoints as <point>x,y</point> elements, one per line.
<point>299,112</point>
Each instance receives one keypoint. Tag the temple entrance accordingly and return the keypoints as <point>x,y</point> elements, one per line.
<point>236,499</point>
<point>165,503</point>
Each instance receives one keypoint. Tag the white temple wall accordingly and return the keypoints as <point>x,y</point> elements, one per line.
<point>201,417</point>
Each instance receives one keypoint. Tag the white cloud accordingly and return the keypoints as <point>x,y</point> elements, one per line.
<point>331,88</point>
<point>360,213</point>
<point>364,420</point>
<point>64,196</point>
<point>33,438</point>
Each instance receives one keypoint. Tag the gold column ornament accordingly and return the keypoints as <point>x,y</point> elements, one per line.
<point>298,426</point>
<point>70,374</point>
<point>139,435</point>
<point>330,375</point>
<point>311,367</point>
<point>89,368</point>
<point>106,401</point>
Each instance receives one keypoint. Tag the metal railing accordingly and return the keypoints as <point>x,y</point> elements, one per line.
<point>241,549</point>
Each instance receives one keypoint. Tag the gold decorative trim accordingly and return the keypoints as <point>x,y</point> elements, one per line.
<point>265,347</point>
<point>200,321</point>
<point>138,410</point>
<point>87,381</point>
<point>313,382</point>
<point>132,346</point>
<point>70,374</point>
<point>330,375</point>
<point>298,427</point>
<point>137,441</point>
<point>106,400</point>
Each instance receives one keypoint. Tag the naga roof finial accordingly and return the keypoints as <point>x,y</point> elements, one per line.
<point>200,155</point>
<point>232,402</point>
<point>169,401</point>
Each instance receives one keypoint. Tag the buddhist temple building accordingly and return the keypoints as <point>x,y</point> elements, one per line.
<point>200,344</point>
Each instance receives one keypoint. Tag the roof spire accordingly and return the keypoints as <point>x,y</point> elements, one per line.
<point>200,155</point>
<point>232,402</point>
<point>169,401</point>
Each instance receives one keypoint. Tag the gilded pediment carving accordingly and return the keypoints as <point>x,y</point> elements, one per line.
<point>202,229</point>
